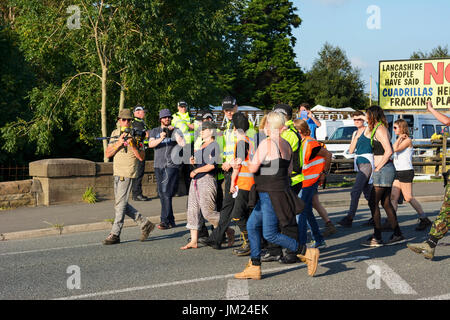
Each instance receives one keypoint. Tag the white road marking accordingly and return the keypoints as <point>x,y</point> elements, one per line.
<point>49,249</point>
<point>392,279</point>
<point>237,290</point>
<point>74,247</point>
<point>443,297</point>
<point>182,282</point>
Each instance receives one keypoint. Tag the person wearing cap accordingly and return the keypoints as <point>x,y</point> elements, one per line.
<point>126,155</point>
<point>183,121</point>
<point>201,117</point>
<point>242,180</point>
<point>203,188</point>
<point>166,141</point>
<point>139,121</point>
<point>229,107</point>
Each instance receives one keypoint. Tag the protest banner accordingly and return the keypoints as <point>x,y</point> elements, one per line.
<point>409,84</point>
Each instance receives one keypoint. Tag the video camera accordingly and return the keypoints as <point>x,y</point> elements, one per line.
<point>168,132</point>
<point>135,132</point>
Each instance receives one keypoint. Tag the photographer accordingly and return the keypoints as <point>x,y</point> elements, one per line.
<point>139,123</point>
<point>127,152</point>
<point>164,138</point>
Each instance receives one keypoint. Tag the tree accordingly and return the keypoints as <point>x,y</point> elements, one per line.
<point>124,52</point>
<point>333,82</point>
<point>267,63</point>
<point>438,52</point>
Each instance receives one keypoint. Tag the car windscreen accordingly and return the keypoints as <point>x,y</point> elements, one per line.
<point>343,133</point>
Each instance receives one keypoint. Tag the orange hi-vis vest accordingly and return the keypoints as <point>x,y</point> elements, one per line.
<point>311,169</point>
<point>245,179</point>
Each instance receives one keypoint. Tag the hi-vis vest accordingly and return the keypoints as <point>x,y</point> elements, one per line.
<point>181,121</point>
<point>245,179</point>
<point>293,138</point>
<point>311,169</point>
<point>229,139</point>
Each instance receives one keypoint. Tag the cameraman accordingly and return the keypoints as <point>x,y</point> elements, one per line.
<point>139,123</point>
<point>127,153</point>
<point>164,138</point>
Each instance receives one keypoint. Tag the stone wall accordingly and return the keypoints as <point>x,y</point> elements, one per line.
<point>59,181</point>
<point>15,194</point>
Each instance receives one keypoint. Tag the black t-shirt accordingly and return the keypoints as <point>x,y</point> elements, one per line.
<point>314,152</point>
<point>205,156</point>
<point>242,149</point>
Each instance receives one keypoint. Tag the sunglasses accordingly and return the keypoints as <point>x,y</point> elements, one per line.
<point>128,120</point>
<point>358,119</point>
<point>395,127</point>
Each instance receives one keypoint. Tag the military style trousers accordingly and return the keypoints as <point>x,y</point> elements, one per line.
<point>441,224</point>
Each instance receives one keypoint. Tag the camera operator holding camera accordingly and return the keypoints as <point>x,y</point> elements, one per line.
<point>139,123</point>
<point>127,151</point>
<point>164,138</point>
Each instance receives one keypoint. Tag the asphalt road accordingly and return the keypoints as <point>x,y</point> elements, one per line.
<point>78,266</point>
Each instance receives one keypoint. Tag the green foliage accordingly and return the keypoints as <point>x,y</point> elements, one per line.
<point>90,196</point>
<point>60,87</point>
<point>268,63</point>
<point>438,52</point>
<point>332,81</point>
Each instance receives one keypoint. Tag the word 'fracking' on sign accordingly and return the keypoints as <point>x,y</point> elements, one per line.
<point>406,84</point>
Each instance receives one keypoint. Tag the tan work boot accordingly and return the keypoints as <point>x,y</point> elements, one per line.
<point>422,248</point>
<point>250,272</point>
<point>311,258</point>
<point>146,229</point>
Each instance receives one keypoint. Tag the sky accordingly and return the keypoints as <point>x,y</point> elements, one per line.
<point>369,31</point>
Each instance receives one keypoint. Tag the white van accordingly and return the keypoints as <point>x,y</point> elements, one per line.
<point>421,125</point>
<point>328,127</point>
<point>340,151</point>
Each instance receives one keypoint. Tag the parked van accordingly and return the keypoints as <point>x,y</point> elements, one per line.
<point>340,151</point>
<point>328,127</point>
<point>421,125</point>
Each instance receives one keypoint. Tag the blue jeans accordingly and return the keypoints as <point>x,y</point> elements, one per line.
<point>263,221</point>
<point>307,216</point>
<point>166,180</point>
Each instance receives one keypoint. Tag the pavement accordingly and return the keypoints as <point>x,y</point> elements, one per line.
<point>32,222</point>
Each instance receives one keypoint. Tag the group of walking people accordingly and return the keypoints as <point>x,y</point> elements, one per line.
<point>267,182</point>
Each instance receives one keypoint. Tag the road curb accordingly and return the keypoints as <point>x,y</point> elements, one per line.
<point>105,225</point>
<point>78,228</point>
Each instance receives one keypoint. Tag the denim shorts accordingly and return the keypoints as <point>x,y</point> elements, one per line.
<point>385,176</point>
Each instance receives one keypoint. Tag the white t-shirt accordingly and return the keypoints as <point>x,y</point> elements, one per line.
<point>403,159</point>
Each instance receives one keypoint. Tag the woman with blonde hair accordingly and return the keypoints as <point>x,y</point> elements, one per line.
<point>271,165</point>
<point>404,172</point>
<point>383,178</point>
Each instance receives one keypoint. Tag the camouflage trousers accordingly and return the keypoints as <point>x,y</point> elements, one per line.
<point>441,224</point>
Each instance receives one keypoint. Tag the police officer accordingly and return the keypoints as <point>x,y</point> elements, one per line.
<point>139,122</point>
<point>229,107</point>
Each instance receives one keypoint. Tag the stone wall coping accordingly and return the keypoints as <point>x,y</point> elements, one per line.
<point>62,167</point>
